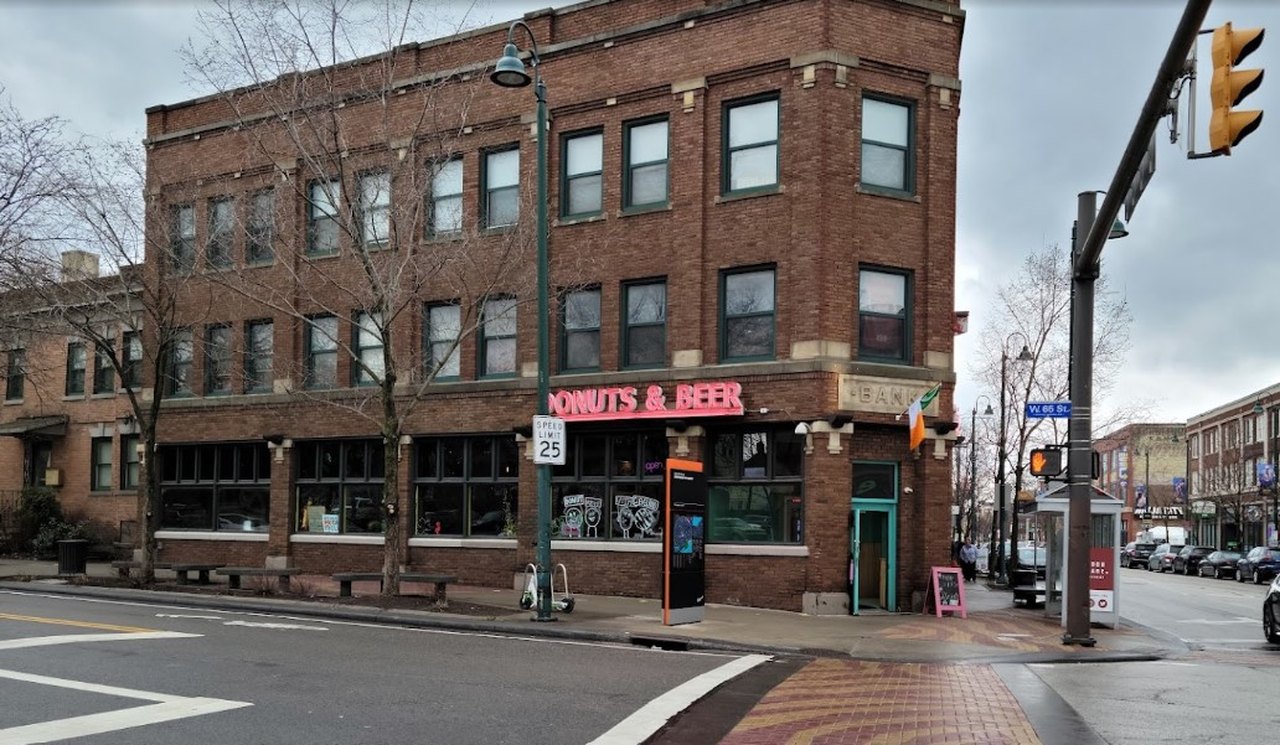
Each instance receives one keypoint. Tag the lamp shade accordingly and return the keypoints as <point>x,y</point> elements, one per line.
<point>1118,230</point>
<point>510,72</point>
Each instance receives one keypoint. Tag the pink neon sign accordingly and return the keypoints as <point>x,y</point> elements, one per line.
<point>721,398</point>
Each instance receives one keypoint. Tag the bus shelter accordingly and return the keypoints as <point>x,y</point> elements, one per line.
<point>1051,511</point>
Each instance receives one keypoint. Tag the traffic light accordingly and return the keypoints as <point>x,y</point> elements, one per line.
<point>1230,86</point>
<point>1046,462</point>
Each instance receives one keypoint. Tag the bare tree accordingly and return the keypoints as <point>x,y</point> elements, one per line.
<point>32,176</point>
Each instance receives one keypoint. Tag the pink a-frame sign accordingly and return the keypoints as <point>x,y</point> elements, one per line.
<point>948,591</point>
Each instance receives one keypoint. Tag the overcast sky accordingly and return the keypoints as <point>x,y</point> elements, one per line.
<point>1051,91</point>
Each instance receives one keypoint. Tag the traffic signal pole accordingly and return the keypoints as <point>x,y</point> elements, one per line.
<point>1092,231</point>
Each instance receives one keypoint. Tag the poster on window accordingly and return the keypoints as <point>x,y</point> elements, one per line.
<point>636,516</point>
<point>581,516</point>
<point>684,544</point>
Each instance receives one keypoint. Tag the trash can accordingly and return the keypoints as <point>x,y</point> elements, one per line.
<point>72,556</point>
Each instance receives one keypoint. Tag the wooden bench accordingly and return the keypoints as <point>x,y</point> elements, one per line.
<point>441,582</point>
<point>233,575</point>
<point>184,572</point>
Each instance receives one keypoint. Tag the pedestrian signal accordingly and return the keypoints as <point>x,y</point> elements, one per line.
<point>1231,86</point>
<point>1046,462</point>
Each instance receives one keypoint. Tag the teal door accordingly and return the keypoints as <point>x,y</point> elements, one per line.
<point>872,548</point>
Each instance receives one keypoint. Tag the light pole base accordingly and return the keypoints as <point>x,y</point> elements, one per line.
<point>1084,641</point>
<point>541,619</point>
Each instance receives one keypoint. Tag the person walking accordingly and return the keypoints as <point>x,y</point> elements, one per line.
<point>969,561</point>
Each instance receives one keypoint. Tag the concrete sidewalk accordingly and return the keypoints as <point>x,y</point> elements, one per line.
<point>994,630</point>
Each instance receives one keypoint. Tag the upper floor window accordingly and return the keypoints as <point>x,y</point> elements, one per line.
<point>222,225</point>
<point>178,369</point>
<point>498,339</point>
<point>747,314</point>
<point>645,154</point>
<point>182,237</point>
<point>261,228</point>
<point>887,160</point>
<point>580,339</point>
<point>644,321</point>
<point>104,374</point>
<point>443,327</point>
<point>75,368</point>
<point>501,188</point>
<point>131,364</point>
<point>581,185</point>
<point>370,369</point>
<point>15,374</point>
<point>884,315</point>
<point>321,345</point>
<point>217,360</point>
<point>375,209</point>
<point>750,145</point>
<point>323,198</point>
<point>446,198</point>
<point>258,356</point>
<point>100,468</point>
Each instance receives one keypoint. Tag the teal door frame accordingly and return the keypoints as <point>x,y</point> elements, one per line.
<point>889,508</point>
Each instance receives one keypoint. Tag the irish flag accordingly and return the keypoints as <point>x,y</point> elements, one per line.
<point>915,414</point>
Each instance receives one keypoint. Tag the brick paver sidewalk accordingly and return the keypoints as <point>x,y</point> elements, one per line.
<point>830,702</point>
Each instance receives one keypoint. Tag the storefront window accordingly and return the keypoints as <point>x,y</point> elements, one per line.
<point>611,487</point>
<point>215,487</point>
<point>340,484</point>
<point>756,487</point>
<point>875,481</point>
<point>466,486</point>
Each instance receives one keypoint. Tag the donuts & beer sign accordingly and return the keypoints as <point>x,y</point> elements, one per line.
<point>717,398</point>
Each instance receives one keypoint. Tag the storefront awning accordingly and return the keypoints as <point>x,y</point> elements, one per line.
<point>47,426</point>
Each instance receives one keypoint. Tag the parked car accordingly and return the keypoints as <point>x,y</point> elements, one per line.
<point>1032,559</point>
<point>1135,554</point>
<point>1162,558</point>
<point>1188,559</point>
<point>1219,564</point>
<point>1262,563</point>
<point>1271,613</point>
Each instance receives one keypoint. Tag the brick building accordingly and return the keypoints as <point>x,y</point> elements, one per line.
<point>752,259</point>
<point>1231,457</point>
<point>1145,466</point>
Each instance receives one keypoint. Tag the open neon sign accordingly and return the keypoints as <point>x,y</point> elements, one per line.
<point>720,398</point>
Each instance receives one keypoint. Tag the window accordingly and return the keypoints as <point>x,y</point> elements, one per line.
<point>446,198</point>
<point>369,345</point>
<point>580,330</point>
<point>375,209</point>
<point>887,161</point>
<point>100,468</point>
<point>131,372</point>
<point>182,237</point>
<point>342,479</point>
<point>130,461</point>
<point>217,360</point>
<point>883,320</point>
<point>15,375</point>
<point>610,487</point>
<point>755,486</point>
<point>875,480</point>
<point>104,373</point>
<point>258,356</point>
<point>644,322</point>
<point>646,153</point>
<point>498,341</point>
<point>322,352</point>
<point>75,368</point>
<point>322,217</point>
<point>178,378</point>
<point>261,228</point>
<point>222,486</point>
<point>746,322</point>
<point>501,188</point>
<point>444,326</point>
<point>222,225</point>
<point>466,486</point>
<point>581,185</point>
<point>751,146</point>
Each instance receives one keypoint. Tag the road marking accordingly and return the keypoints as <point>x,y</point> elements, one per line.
<point>1218,621</point>
<point>70,622</point>
<point>166,708</point>
<point>267,625</point>
<point>651,717</point>
<point>48,641</point>
<point>189,615</point>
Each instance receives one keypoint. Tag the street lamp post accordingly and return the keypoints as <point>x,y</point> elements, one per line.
<point>510,73</point>
<point>1023,356</point>
<point>973,466</point>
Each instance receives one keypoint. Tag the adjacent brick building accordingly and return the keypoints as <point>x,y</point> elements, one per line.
<point>1145,466</point>
<point>752,258</point>
<point>1231,464</point>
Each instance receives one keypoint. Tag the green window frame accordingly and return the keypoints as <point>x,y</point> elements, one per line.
<point>884,314</point>
<point>104,373</point>
<point>321,349</point>
<point>446,198</point>
<point>646,153</point>
<point>15,375</point>
<point>466,486</point>
<point>344,477</point>
<point>367,332</point>
<point>76,362</point>
<point>224,486</point>
<point>178,364</point>
<point>217,360</point>
<point>500,187</point>
<point>498,353</point>
<point>748,323</point>
<point>751,152</point>
<point>580,330</point>
<point>442,328</point>
<point>374,209</point>
<point>644,323</point>
<point>182,237</point>
<point>582,174</point>
<point>610,487</point>
<point>260,229</point>
<point>888,144</point>
<point>755,485</point>
<point>222,226</point>
<point>100,457</point>
<point>323,198</point>
<point>259,359</point>
<point>130,460</point>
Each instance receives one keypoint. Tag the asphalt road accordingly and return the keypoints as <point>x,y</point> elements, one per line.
<point>162,674</point>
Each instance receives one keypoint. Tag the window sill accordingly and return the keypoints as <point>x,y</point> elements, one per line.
<point>881,360</point>
<point>645,210</point>
<point>757,549</point>
<point>112,493</point>
<point>567,221</point>
<point>879,191</point>
<point>355,539</point>
<point>73,397</point>
<point>423,541</point>
<point>260,263</point>
<point>453,236</point>
<point>497,229</point>
<point>211,535</point>
<point>754,193</point>
<point>13,402</point>
<point>102,394</point>
<point>313,256</point>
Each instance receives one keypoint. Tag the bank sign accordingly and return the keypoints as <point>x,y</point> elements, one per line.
<point>720,398</point>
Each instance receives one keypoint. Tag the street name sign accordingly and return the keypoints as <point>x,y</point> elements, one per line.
<point>1048,409</point>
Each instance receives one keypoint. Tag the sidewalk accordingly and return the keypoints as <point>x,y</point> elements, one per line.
<point>994,630</point>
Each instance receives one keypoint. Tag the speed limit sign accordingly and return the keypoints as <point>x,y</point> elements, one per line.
<point>548,440</point>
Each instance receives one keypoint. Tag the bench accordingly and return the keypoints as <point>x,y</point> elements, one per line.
<point>441,582</point>
<point>233,575</point>
<point>184,572</point>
